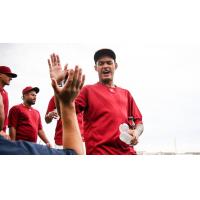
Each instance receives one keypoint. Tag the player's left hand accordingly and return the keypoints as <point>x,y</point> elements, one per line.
<point>49,145</point>
<point>134,134</point>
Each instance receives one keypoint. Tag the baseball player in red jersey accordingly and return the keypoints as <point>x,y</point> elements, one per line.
<point>51,114</point>
<point>72,142</point>
<point>24,121</point>
<point>105,107</point>
<point>6,76</point>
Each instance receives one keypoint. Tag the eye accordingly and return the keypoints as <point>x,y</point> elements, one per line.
<point>101,63</point>
<point>109,62</point>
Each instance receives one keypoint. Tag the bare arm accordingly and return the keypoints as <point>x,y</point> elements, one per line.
<point>2,118</point>
<point>66,96</point>
<point>12,133</point>
<point>2,115</point>
<point>43,137</point>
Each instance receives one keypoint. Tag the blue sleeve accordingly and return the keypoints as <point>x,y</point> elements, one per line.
<point>28,148</point>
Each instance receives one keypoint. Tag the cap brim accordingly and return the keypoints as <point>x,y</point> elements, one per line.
<point>12,75</point>
<point>36,89</point>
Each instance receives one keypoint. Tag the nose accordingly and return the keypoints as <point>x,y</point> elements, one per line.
<point>105,65</point>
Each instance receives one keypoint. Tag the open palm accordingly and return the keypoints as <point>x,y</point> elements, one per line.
<point>55,69</point>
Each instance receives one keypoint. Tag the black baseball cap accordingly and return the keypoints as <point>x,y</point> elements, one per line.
<point>104,52</point>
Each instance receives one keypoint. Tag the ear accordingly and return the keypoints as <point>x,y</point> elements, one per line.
<point>116,65</point>
<point>95,67</point>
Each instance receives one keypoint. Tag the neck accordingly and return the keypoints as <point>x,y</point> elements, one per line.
<point>26,104</point>
<point>1,85</point>
<point>108,84</point>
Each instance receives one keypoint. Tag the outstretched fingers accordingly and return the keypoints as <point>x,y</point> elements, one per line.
<point>82,82</point>
<point>57,59</point>
<point>69,79</point>
<point>76,73</point>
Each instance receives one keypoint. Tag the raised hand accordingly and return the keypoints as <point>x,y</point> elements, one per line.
<point>55,69</point>
<point>68,92</point>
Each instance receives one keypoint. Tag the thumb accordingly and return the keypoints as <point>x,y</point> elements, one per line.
<point>54,85</point>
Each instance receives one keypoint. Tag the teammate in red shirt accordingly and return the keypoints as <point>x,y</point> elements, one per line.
<point>105,107</point>
<point>65,95</point>
<point>25,121</point>
<point>6,76</point>
<point>53,114</point>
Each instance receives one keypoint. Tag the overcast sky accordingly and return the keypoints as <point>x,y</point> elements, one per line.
<point>157,46</point>
<point>163,79</point>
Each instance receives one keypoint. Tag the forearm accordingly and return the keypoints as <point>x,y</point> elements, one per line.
<point>2,115</point>
<point>1,121</point>
<point>71,132</point>
<point>12,133</point>
<point>43,136</point>
<point>57,105</point>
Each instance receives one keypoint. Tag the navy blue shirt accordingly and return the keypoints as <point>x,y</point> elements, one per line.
<point>20,147</point>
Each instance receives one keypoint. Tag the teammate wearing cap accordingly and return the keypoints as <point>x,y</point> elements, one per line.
<point>24,121</point>
<point>6,76</point>
<point>105,107</point>
<point>72,142</point>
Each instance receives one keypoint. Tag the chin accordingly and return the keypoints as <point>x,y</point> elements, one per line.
<point>106,80</point>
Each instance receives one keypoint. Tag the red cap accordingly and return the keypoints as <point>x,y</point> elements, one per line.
<point>7,70</point>
<point>29,89</point>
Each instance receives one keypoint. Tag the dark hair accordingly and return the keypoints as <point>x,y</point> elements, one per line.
<point>104,52</point>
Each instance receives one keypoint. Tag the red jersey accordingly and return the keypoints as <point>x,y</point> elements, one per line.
<point>58,130</point>
<point>26,121</point>
<point>104,109</point>
<point>4,95</point>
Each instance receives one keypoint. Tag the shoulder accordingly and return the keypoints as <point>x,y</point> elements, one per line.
<point>123,90</point>
<point>91,86</point>
<point>52,100</point>
<point>87,88</point>
<point>35,110</point>
<point>16,107</point>
<point>3,93</point>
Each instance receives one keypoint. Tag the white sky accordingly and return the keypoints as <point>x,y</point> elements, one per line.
<point>162,78</point>
<point>157,46</point>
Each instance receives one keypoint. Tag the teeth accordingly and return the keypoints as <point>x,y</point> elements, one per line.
<point>105,72</point>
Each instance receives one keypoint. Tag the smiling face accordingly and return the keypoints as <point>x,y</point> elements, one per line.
<point>106,67</point>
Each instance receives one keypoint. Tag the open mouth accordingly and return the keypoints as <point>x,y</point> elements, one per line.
<point>106,72</point>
